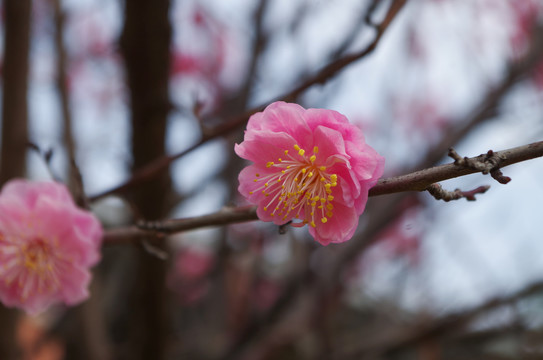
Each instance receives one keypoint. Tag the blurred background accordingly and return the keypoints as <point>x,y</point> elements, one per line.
<point>93,91</point>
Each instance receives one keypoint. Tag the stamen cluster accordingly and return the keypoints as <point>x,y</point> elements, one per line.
<point>298,183</point>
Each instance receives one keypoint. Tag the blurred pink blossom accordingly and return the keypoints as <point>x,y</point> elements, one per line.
<point>311,165</point>
<point>47,245</point>
<point>188,278</point>
<point>193,265</point>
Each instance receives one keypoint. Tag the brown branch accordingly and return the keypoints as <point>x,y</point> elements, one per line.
<point>417,181</point>
<point>420,180</point>
<point>259,44</point>
<point>62,87</point>
<point>151,169</point>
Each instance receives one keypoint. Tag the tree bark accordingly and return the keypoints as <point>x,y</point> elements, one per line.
<point>15,77</point>
<point>14,126</point>
<point>145,44</point>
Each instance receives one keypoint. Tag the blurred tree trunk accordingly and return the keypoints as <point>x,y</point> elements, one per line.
<point>14,125</point>
<point>15,75</point>
<point>145,44</point>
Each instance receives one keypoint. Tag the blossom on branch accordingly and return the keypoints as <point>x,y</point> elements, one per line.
<point>47,245</point>
<point>309,165</point>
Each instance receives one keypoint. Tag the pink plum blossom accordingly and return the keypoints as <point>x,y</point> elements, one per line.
<point>47,245</point>
<point>308,165</point>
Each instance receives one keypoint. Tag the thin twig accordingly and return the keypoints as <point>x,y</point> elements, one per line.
<point>62,87</point>
<point>437,191</point>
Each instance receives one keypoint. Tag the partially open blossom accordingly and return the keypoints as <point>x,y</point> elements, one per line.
<point>47,245</point>
<point>308,165</point>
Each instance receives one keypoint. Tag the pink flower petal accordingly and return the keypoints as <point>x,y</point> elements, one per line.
<point>339,228</point>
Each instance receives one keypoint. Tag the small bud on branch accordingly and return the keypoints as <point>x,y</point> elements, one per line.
<point>437,191</point>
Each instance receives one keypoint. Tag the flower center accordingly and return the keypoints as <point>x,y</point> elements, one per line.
<point>297,184</point>
<point>36,257</point>
<point>32,266</point>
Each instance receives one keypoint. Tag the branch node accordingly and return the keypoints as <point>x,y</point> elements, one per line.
<point>488,163</point>
<point>156,226</point>
<point>437,191</point>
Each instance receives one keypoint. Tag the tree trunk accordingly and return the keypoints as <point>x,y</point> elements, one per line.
<point>145,44</point>
<point>14,126</point>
